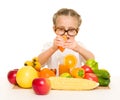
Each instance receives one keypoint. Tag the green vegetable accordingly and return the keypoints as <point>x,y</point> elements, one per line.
<point>66,74</point>
<point>81,72</point>
<point>103,82</point>
<point>103,77</point>
<point>92,63</point>
<point>102,73</point>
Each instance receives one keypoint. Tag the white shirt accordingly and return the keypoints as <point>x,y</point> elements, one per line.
<point>58,56</point>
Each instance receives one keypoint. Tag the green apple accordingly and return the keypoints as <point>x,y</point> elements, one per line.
<point>66,74</point>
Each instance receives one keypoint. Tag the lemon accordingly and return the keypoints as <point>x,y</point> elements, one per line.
<point>25,76</point>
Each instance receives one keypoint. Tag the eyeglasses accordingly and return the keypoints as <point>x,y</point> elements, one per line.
<point>70,32</point>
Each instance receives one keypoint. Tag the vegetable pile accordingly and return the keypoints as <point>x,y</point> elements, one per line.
<point>102,74</point>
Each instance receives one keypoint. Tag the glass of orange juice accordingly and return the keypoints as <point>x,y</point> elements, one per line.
<point>63,68</point>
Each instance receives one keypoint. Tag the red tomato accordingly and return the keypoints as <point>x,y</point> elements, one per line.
<point>91,76</point>
<point>87,69</point>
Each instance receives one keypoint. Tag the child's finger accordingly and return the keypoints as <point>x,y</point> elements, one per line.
<point>69,40</point>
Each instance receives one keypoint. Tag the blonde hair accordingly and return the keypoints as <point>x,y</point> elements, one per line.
<point>67,12</point>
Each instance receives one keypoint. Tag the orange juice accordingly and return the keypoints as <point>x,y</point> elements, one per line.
<point>63,68</point>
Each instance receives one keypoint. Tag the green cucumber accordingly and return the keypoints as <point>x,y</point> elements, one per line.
<point>103,82</point>
<point>102,73</point>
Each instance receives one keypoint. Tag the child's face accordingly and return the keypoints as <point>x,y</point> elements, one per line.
<point>66,25</point>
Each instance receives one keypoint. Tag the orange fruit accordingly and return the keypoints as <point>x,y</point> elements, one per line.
<point>54,70</point>
<point>46,73</point>
<point>77,72</point>
<point>63,69</point>
<point>61,48</point>
<point>70,60</point>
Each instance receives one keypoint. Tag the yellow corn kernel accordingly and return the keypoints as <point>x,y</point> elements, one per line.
<point>60,83</point>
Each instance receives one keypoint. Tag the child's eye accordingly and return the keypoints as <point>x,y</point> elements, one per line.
<point>61,29</point>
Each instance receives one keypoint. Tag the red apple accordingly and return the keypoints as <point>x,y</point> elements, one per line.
<point>41,86</point>
<point>87,69</point>
<point>11,76</point>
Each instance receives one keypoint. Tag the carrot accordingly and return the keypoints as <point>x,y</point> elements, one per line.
<point>61,48</point>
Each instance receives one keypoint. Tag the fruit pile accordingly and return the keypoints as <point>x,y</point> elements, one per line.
<point>42,80</point>
<point>32,75</point>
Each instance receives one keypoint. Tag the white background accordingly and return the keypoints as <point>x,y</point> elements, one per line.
<point>25,25</point>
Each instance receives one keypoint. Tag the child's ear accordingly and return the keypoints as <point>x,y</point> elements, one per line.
<point>78,29</point>
<point>54,28</point>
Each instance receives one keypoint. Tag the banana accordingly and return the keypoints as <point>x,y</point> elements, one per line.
<point>35,59</point>
<point>37,66</point>
<point>28,63</point>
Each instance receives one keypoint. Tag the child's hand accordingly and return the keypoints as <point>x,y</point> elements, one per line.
<point>58,41</point>
<point>71,44</point>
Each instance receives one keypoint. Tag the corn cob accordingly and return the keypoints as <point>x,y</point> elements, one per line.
<point>60,83</point>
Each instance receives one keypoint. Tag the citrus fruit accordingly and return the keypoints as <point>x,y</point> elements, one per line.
<point>46,73</point>
<point>54,70</point>
<point>25,76</point>
<point>70,60</point>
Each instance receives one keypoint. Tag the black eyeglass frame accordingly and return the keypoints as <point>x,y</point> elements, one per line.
<point>67,31</point>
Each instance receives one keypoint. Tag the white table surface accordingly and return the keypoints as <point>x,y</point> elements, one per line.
<point>8,93</point>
